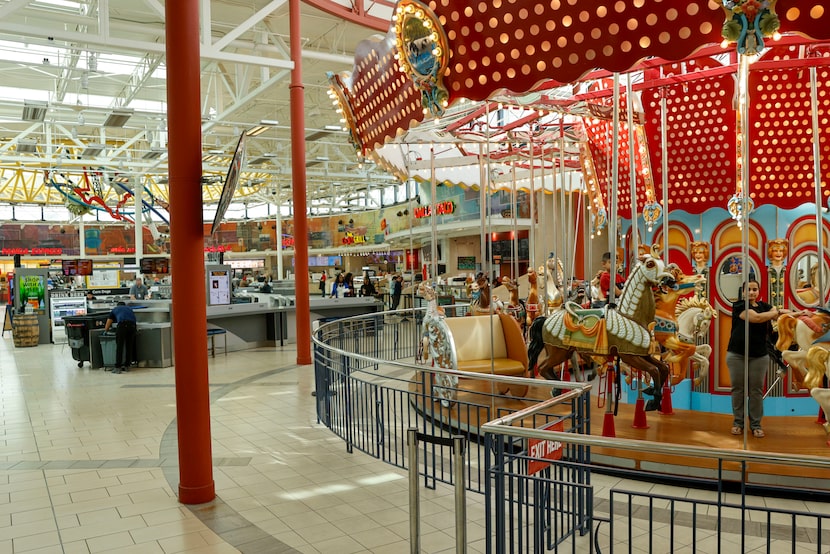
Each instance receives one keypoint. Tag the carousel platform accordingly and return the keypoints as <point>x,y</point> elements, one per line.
<point>796,435</point>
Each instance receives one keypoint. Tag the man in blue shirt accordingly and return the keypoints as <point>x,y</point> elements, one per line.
<point>125,329</point>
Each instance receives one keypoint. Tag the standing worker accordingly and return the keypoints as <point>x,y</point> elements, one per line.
<point>125,327</point>
<point>139,291</point>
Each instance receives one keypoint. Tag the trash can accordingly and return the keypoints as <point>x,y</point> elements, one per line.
<point>108,349</point>
<point>77,334</point>
<point>76,338</point>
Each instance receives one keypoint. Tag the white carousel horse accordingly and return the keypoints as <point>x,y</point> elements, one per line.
<point>437,346</point>
<point>694,317</point>
<point>804,330</point>
<point>818,367</point>
<point>622,331</point>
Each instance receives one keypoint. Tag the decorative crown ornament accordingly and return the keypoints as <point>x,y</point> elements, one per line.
<point>748,22</point>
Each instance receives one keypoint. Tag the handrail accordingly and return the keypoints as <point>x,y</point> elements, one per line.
<point>503,426</point>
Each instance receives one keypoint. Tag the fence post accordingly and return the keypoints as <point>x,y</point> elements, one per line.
<point>460,495</point>
<point>414,491</point>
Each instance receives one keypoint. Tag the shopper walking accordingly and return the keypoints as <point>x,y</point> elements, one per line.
<point>125,330</point>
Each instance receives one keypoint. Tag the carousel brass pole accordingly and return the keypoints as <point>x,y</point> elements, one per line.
<point>632,171</point>
<point>817,180</point>
<point>615,167</point>
<point>664,163</point>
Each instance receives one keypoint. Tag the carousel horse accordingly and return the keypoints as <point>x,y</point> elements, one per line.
<point>611,331</point>
<point>532,302</point>
<point>804,330</point>
<point>818,367</point>
<point>554,276</point>
<point>679,341</point>
<point>694,317</point>
<point>437,346</point>
<point>480,305</point>
<point>515,307</point>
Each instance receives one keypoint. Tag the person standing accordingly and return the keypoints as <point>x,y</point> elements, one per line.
<point>338,287</point>
<point>397,289</point>
<point>125,330</point>
<point>602,282</point>
<point>751,357</point>
<point>139,291</point>
<point>323,284</point>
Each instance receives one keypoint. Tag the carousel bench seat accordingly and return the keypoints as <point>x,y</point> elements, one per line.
<point>501,351</point>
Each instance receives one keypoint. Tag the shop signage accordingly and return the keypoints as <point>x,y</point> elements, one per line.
<point>442,208</point>
<point>287,241</point>
<point>352,238</point>
<point>32,251</point>
<point>122,250</point>
<point>544,449</point>
<point>221,248</point>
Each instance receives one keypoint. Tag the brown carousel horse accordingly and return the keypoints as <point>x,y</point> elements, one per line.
<point>515,307</point>
<point>480,305</point>
<point>619,330</point>
<point>804,330</point>
<point>677,339</point>
<point>532,302</point>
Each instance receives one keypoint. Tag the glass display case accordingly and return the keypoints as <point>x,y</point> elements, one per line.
<point>62,307</point>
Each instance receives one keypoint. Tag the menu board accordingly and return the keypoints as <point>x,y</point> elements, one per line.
<point>103,279</point>
<point>219,287</point>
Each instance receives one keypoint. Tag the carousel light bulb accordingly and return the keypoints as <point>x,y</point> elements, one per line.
<point>776,36</point>
<point>724,43</point>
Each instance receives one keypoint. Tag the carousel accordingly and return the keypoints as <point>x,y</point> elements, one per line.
<point>688,143</point>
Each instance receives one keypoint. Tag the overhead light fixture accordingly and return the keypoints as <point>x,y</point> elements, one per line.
<point>327,130</point>
<point>27,147</point>
<point>153,154</point>
<point>34,110</point>
<point>265,158</point>
<point>93,150</point>
<point>257,130</point>
<point>269,122</point>
<point>117,118</point>
<point>316,161</point>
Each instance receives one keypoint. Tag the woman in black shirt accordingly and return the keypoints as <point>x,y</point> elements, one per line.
<point>758,314</point>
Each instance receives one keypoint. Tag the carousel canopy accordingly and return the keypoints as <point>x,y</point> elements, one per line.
<point>473,93</point>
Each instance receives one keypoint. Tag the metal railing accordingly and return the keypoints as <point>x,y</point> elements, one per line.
<point>371,389</point>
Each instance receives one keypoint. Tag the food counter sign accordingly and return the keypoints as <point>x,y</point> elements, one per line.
<point>543,450</point>
<point>351,238</point>
<point>32,251</point>
<point>442,208</point>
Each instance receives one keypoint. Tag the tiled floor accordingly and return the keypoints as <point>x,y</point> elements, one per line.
<point>88,464</point>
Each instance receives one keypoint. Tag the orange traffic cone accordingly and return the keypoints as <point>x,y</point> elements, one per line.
<point>665,405</point>
<point>640,421</point>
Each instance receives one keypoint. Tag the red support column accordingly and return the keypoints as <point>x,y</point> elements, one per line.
<point>298,181</point>
<point>187,243</point>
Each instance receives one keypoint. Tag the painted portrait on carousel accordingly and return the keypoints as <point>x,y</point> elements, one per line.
<point>777,251</point>
<point>700,265</point>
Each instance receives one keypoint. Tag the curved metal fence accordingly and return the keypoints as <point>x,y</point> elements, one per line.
<point>532,456</point>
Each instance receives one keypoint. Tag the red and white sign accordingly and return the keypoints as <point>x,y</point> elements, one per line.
<point>544,449</point>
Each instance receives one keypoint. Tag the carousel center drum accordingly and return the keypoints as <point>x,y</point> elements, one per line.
<point>25,330</point>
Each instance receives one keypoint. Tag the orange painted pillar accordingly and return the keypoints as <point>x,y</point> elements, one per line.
<point>187,252</point>
<point>298,183</point>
